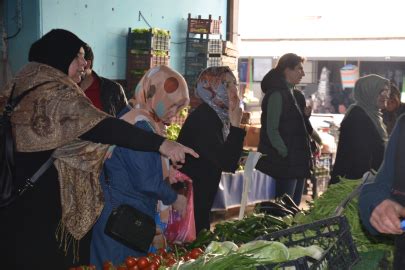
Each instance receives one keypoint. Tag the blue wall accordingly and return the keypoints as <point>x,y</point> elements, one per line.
<point>104,25</point>
<point>19,45</point>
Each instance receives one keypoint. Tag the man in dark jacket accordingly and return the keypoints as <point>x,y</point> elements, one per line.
<point>105,94</point>
<point>381,203</point>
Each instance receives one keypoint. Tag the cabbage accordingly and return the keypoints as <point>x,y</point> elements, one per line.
<point>221,247</point>
<point>315,251</point>
<point>271,251</point>
<point>213,247</point>
<point>311,251</point>
<point>297,252</point>
<point>229,246</point>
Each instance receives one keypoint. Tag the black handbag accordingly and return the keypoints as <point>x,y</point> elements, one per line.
<point>129,226</point>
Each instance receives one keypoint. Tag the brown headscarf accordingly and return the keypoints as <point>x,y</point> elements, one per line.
<point>53,116</point>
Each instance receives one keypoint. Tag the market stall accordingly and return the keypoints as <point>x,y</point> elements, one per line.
<point>262,188</point>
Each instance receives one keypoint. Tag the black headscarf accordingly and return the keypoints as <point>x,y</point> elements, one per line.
<point>57,49</point>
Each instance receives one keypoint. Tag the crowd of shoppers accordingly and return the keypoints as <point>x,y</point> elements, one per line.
<point>70,115</point>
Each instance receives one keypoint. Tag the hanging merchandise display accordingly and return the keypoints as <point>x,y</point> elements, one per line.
<point>349,74</point>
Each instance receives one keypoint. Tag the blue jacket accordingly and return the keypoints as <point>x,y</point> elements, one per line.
<point>374,193</point>
<point>136,179</point>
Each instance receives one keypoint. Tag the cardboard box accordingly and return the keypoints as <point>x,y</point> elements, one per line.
<point>252,136</point>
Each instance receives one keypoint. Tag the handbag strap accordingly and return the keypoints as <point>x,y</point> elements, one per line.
<point>8,109</point>
<point>29,183</point>
<point>108,183</point>
<point>13,102</point>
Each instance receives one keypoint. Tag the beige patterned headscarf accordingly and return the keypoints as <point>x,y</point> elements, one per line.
<point>53,116</point>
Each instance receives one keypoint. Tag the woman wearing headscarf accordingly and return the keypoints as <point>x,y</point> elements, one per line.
<point>48,226</point>
<point>362,135</point>
<point>212,129</point>
<point>394,109</point>
<point>284,139</point>
<point>135,177</point>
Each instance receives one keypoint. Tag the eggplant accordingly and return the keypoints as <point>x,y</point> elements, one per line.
<point>292,209</point>
<point>275,209</point>
<point>287,200</point>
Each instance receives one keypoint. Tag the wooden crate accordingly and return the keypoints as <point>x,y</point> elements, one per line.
<point>148,40</point>
<point>146,61</point>
<point>204,26</point>
<point>229,49</point>
<point>231,62</point>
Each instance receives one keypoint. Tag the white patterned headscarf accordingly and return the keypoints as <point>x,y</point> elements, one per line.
<point>212,88</point>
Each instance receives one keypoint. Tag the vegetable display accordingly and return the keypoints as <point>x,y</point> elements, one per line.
<point>233,244</point>
<point>226,255</point>
<point>241,231</point>
<point>155,31</point>
<point>325,206</point>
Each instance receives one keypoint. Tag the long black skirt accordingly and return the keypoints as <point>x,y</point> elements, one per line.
<point>28,226</point>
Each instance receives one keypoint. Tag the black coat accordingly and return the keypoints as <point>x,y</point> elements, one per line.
<point>292,130</point>
<point>202,131</point>
<point>112,96</point>
<point>360,147</point>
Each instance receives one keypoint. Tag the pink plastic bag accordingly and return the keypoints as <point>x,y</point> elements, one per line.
<point>182,230</point>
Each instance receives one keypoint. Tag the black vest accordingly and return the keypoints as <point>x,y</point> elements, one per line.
<point>293,132</point>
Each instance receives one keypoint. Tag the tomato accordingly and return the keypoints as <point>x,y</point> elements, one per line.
<point>143,262</point>
<point>108,265</point>
<point>150,255</point>
<point>135,267</point>
<point>130,261</point>
<point>162,252</point>
<point>92,267</point>
<point>170,262</point>
<point>169,256</point>
<point>195,253</point>
<point>160,258</point>
<point>156,260</point>
<point>186,257</point>
<point>153,266</point>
